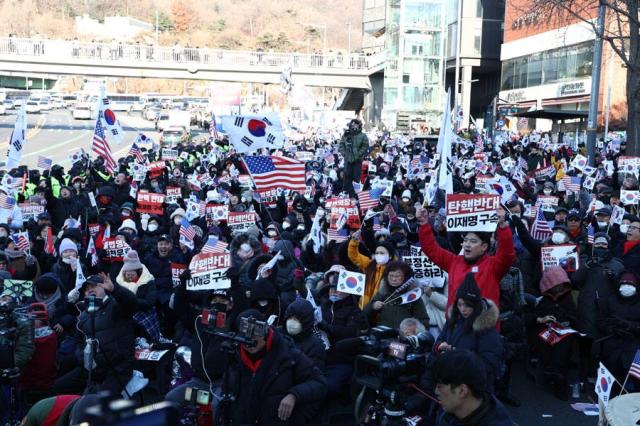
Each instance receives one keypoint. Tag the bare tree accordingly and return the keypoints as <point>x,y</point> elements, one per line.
<point>621,32</point>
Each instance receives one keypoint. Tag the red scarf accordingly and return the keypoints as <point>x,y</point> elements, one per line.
<point>628,245</point>
<point>248,362</point>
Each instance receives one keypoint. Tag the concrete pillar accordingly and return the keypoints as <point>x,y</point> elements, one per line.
<point>465,94</point>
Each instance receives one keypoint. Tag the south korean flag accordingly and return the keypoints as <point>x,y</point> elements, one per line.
<point>249,133</point>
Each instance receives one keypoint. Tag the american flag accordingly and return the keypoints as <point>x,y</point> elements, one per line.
<point>186,230</point>
<point>21,239</point>
<point>376,224</point>
<point>635,366</point>
<point>337,235</point>
<point>101,147</point>
<point>272,172</point>
<point>44,162</point>
<point>7,201</point>
<point>214,245</point>
<point>571,183</point>
<point>590,234</point>
<point>136,153</point>
<point>369,199</point>
<point>540,229</point>
<point>213,127</point>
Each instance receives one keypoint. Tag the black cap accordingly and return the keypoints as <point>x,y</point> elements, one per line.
<point>165,237</point>
<point>44,216</point>
<point>561,227</point>
<point>92,280</point>
<point>561,209</point>
<point>469,291</point>
<point>604,211</point>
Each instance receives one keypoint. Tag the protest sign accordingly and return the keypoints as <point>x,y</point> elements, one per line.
<point>383,183</point>
<point>209,271</point>
<point>482,180</point>
<point>304,155</point>
<point>472,212</point>
<point>425,269</point>
<point>174,193</point>
<point>176,270</point>
<point>629,198</point>
<point>169,154</point>
<point>150,203</point>
<point>565,255</point>
<point>240,221</point>
<point>156,168</point>
<point>544,172</point>
<point>351,282</point>
<point>149,355</point>
<point>114,249</point>
<point>216,212</point>
<point>30,210</point>
<point>94,228</point>
<point>139,172</point>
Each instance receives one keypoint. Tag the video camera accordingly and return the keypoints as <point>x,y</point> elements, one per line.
<point>248,328</point>
<point>388,359</point>
<point>111,411</point>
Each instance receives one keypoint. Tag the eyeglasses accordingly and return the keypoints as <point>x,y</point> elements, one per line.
<point>634,227</point>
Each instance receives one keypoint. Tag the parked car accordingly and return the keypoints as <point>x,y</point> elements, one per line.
<point>33,106</point>
<point>172,136</point>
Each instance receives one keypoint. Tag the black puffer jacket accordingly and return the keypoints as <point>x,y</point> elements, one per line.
<point>260,388</point>
<point>114,329</point>
<point>64,208</point>
<point>284,278</point>
<point>307,341</point>
<point>342,320</point>
<point>160,268</point>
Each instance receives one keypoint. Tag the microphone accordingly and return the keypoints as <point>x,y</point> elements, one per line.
<point>92,304</point>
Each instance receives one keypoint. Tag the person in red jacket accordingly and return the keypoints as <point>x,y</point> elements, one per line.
<point>488,270</point>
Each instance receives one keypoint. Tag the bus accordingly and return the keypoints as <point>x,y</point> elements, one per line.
<point>69,100</point>
<point>126,102</point>
<point>19,97</point>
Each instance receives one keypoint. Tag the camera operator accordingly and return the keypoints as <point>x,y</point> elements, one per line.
<point>206,351</point>
<point>354,146</point>
<point>462,387</point>
<point>272,381</point>
<point>113,328</point>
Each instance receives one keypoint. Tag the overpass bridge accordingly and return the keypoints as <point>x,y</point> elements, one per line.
<point>62,57</point>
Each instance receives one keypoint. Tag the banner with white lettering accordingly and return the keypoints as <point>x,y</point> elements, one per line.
<point>176,270</point>
<point>150,203</point>
<point>114,249</point>
<point>565,255</point>
<point>209,271</point>
<point>169,154</point>
<point>174,193</point>
<point>240,221</point>
<point>30,210</point>
<point>472,212</point>
<point>425,269</point>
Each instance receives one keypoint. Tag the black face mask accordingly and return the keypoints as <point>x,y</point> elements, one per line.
<point>219,307</point>
<point>600,252</point>
<point>605,199</point>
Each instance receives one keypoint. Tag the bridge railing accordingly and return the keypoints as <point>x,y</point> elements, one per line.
<point>191,57</point>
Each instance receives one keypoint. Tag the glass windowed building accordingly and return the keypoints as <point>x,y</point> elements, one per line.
<point>414,70</point>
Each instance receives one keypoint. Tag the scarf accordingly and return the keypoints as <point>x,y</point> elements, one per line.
<point>50,302</point>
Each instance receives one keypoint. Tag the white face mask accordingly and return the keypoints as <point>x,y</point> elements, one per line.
<point>557,238</point>
<point>547,191</point>
<point>624,228</point>
<point>627,290</point>
<point>68,260</point>
<point>406,200</point>
<point>320,213</point>
<point>603,224</point>
<point>177,220</point>
<point>294,327</point>
<point>152,227</point>
<point>381,259</point>
<point>333,175</point>
<point>245,247</point>
<point>286,225</point>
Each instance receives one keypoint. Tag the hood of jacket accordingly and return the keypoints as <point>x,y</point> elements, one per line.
<point>145,278</point>
<point>553,277</point>
<point>302,309</point>
<point>286,249</point>
<point>487,319</point>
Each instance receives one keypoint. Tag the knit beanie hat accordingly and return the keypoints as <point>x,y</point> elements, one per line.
<point>469,291</point>
<point>47,284</point>
<point>131,261</point>
<point>67,244</point>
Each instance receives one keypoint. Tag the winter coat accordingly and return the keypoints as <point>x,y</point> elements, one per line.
<point>307,341</point>
<point>595,286</point>
<point>631,259</point>
<point>284,277</point>
<point>393,312</point>
<point>63,209</point>
<point>160,268</point>
<point>619,322</point>
<point>66,275</point>
<point>20,270</point>
<point>62,312</point>
<point>260,386</point>
<point>483,339</point>
<point>373,272</point>
<point>114,329</point>
<point>490,413</point>
<point>345,319</point>
<point>488,270</point>
<point>121,193</point>
<point>23,345</point>
<point>144,289</point>
<point>355,149</point>
<point>436,306</point>
<point>216,360</point>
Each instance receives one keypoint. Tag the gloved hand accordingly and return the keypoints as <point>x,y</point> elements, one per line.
<point>73,295</point>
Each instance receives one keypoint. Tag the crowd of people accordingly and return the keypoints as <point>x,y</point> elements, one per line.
<point>80,312</point>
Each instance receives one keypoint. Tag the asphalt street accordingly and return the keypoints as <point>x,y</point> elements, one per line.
<point>55,134</point>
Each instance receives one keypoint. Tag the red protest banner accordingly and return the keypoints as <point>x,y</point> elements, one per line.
<point>156,168</point>
<point>150,203</point>
<point>240,220</point>
<point>176,270</point>
<point>94,228</point>
<point>208,271</point>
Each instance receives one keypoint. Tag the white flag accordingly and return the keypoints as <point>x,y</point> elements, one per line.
<point>80,278</point>
<point>445,175</point>
<point>18,139</point>
<point>445,123</point>
<point>604,383</point>
<point>316,234</point>
<point>249,133</point>
<point>111,123</point>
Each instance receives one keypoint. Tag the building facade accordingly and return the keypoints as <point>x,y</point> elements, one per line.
<point>547,65</point>
<point>414,69</point>
<point>373,25</point>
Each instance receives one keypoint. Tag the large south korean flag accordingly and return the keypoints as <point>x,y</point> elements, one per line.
<point>249,133</point>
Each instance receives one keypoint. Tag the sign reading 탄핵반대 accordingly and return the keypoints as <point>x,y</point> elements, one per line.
<point>209,271</point>
<point>472,212</point>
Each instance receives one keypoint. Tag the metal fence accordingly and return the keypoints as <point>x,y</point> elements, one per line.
<point>189,56</point>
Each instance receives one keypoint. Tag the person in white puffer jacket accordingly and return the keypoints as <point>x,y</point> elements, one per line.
<point>435,301</point>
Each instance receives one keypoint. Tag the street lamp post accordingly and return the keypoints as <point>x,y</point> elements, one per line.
<point>592,122</point>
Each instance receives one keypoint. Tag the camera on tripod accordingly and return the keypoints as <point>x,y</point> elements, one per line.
<point>248,328</point>
<point>391,359</point>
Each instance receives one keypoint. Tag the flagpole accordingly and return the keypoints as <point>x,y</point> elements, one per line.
<point>623,385</point>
